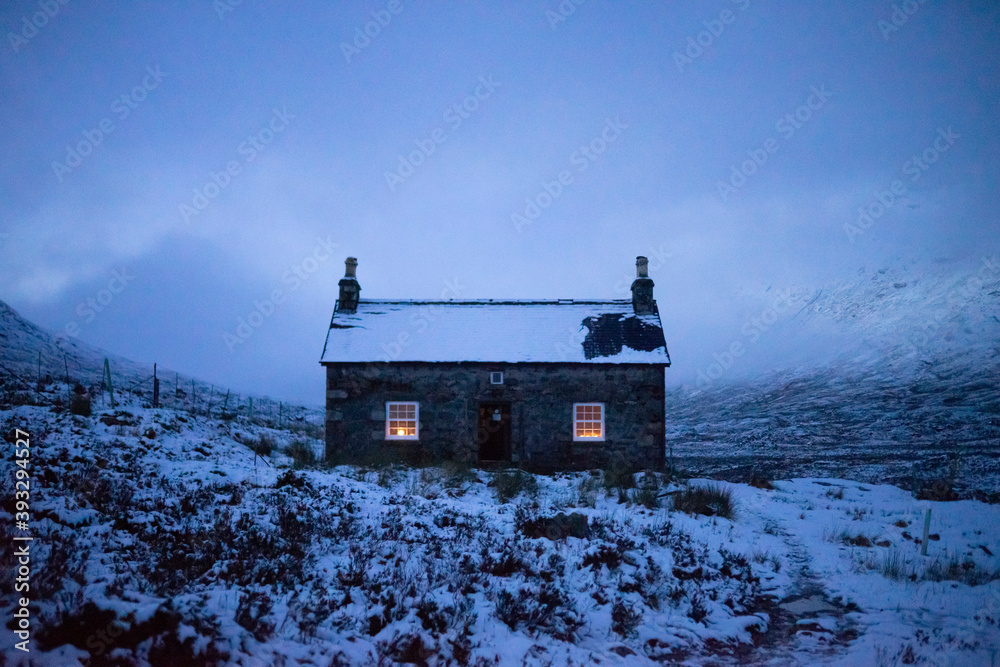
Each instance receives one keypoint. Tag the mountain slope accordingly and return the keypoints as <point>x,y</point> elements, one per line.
<point>907,387</point>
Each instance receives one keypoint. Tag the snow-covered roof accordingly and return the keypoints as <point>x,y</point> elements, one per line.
<point>496,331</point>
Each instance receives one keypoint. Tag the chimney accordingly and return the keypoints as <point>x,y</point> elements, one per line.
<point>642,289</point>
<point>350,290</point>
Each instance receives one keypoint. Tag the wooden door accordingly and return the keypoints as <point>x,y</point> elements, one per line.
<point>493,432</point>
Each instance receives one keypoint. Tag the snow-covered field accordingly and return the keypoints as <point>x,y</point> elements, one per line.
<point>161,539</point>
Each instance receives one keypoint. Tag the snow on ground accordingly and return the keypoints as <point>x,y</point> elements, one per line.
<point>162,539</point>
<point>861,544</point>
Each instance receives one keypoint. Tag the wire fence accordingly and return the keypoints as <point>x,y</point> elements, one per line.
<point>108,384</point>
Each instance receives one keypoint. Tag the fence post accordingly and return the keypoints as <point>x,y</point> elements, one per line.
<point>69,395</point>
<point>927,530</point>
<point>156,388</point>
<point>107,374</point>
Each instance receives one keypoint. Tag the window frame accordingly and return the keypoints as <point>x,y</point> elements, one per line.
<point>589,438</point>
<point>389,435</point>
<point>498,374</point>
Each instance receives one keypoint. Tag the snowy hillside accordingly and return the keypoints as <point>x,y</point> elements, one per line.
<point>899,381</point>
<point>161,539</point>
<point>29,353</point>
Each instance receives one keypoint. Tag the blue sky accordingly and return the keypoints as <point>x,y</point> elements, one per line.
<point>255,144</point>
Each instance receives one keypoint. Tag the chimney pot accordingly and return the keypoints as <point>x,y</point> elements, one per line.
<point>351,264</point>
<point>641,267</point>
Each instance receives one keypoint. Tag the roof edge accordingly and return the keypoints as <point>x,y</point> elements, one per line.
<point>495,302</point>
<point>501,363</point>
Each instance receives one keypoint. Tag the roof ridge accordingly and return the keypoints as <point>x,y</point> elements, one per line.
<point>498,301</point>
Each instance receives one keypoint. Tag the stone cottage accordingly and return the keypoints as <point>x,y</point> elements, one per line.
<point>546,385</point>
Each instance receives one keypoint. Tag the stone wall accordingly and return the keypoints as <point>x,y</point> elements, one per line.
<point>541,397</point>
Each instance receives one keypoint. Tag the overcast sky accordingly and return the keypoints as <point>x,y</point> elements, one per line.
<point>193,158</point>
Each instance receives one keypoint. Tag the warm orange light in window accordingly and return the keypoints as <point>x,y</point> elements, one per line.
<point>401,431</point>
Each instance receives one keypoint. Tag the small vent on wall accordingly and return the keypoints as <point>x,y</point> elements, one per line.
<point>496,377</point>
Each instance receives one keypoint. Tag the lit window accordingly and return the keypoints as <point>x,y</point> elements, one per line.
<point>401,421</point>
<point>588,421</point>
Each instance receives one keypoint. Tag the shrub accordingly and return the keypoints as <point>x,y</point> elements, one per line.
<point>551,611</point>
<point>964,571</point>
<point>893,565</point>
<point>625,619</point>
<point>289,478</point>
<point>376,457</point>
<point>79,404</point>
<point>647,493</point>
<point>990,498</point>
<point>647,497</point>
<point>261,446</point>
<point>557,527</point>
<point>427,483</point>
<point>708,500</point>
<point>251,614</point>
<point>507,562</point>
<point>608,555</point>
<point>760,481</point>
<point>618,476</point>
<point>587,492</point>
<point>76,626</point>
<point>698,611</point>
<point>171,638</point>
<point>304,428</point>
<point>846,538</point>
<point>354,574</point>
<point>457,474</point>
<point>510,484</point>
<point>301,452</point>
<point>943,488</point>
<point>938,489</point>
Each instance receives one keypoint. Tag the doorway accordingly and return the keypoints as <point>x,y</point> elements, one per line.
<point>493,432</point>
